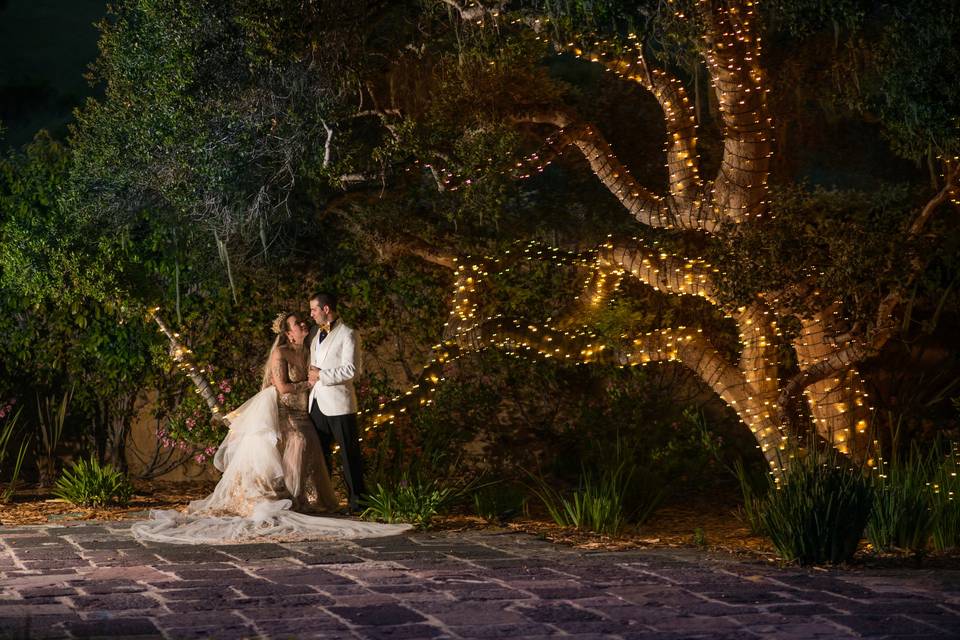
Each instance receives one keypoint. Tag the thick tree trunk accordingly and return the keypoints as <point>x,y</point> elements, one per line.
<point>838,403</point>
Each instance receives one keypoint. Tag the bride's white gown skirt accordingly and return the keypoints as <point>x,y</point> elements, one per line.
<point>245,505</point>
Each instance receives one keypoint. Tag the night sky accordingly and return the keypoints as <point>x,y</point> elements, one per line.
<point>45,48</point>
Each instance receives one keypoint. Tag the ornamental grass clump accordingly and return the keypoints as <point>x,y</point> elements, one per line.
<point>753,490</point>
<point>945,501</point>
<point>603,503</point>
<point>902,517</point>
<point>411,500</point>
<point>818,512</point>
<point>89,484</point>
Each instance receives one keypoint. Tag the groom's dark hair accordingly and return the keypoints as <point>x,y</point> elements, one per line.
<point>325,299</point>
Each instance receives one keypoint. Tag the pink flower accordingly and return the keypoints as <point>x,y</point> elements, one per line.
<point>199,458</point>
<point>221,398</point>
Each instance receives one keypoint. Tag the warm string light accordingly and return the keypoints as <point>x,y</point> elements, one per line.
<point>838,404</point>
<point>750,389</point>
<point>556,340</point>
<point>522,169</point>
<point>183,358</point>
<point>732,58</point>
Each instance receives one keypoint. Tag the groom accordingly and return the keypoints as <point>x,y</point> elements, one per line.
<point>334,362</point>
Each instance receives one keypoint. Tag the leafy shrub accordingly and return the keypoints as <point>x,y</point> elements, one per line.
<point>192,427</point>
<point>411,500</point>
<point>945,501</point>
<point>700,538</point>
<point>89,484</point>
<point>499,501</point>
<point>425,444</point>
<point>819,511</point>
<point>902,516</point>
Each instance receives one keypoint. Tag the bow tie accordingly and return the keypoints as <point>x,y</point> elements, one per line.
<point>325,327</point>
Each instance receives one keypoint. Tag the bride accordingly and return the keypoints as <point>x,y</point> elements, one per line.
<point>272,466</point>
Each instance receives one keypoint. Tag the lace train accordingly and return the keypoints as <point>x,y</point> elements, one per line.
<point>270,521</point>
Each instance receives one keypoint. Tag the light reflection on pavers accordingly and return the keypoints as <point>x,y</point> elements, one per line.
<point>93,580</point>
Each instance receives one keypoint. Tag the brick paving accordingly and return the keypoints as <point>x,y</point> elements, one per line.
<point>88,580</point>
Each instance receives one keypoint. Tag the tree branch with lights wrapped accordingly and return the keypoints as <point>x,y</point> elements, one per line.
<point>825,391</point>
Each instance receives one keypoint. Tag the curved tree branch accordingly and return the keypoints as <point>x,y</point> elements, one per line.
<point>662,271</point>
<point>181,355</point>
<point>683,162</point>
<point>683,345</point>
<point>646,207</point>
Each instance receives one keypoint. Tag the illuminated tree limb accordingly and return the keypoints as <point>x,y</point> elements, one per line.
<point>181,354</point>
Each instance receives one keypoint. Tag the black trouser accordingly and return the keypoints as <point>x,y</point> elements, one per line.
<point>342,429</point>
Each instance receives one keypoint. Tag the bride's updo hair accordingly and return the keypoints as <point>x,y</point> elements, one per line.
<point>281,325</point>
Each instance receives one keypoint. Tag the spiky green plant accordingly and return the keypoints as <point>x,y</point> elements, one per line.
<point>945,501</point>
<point>902,516</point>
<point>600,502</point>
<point>499,501</point>
<point>819,510</point>
<point>51,418</point>
<point>411,500</point>
<point>89,484</point>
<point>7,432</point>
<point>753,492</point>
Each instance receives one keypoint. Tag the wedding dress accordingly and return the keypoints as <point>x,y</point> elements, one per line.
<point>248,502</point>
<point>305,473</point>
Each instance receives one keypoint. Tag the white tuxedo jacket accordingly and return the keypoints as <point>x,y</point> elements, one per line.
<point>338,359</point>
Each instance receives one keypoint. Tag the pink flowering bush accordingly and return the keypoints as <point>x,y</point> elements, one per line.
<point>191,426</point>
<point>6,408</point>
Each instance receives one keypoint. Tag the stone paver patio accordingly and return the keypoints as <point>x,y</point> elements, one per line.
<point>93,580</point>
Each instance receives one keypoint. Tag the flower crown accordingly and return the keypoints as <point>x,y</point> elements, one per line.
<point>278,322</point>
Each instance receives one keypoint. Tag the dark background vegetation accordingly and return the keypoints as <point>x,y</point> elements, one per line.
<point>129,209</point>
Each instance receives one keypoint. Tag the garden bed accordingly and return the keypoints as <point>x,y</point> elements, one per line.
<point>672,525</point>
<point>39,506</point>
<point>706,522</point>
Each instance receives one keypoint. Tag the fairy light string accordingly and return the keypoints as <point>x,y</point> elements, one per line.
<point>184,361</point>
<point>560,340</point>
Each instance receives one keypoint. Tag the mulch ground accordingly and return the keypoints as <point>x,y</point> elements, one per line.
<point>39,506</point>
